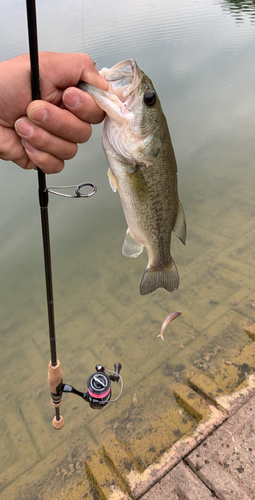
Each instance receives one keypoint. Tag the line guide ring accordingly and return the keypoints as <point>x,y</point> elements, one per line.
<point>78,193</point>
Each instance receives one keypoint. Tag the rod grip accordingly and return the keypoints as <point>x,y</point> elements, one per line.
<point>55,377</point>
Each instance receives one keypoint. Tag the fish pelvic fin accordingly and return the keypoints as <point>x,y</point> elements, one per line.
<point>166,278</point>
<point>180,225</point>
<point>131,247</point>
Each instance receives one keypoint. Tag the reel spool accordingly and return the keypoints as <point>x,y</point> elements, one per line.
<point>99,390</point>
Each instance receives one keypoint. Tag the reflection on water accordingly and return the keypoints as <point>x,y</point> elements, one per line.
<point>240,8</point>
<point>201,62</point>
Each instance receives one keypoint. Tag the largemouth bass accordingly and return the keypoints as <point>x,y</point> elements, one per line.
<point>143,169</point>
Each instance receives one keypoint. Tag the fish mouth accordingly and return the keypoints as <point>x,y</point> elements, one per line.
<point>123,78</point>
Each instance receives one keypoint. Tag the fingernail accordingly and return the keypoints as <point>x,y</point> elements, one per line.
<point>71,99</point>
<point>24,128</point>
<point>38,114</point>
<point>28,146</point>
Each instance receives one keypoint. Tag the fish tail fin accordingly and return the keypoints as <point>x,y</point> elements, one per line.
<point>155,278</point>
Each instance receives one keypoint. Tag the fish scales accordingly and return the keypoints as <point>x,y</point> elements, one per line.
<point>143,169</point>
<point>157,216</point>
<point>160,216</point>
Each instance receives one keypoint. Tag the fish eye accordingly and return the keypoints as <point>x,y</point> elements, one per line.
<point>150,98</point>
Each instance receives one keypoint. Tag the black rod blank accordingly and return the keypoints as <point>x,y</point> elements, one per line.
<point>43,194</point>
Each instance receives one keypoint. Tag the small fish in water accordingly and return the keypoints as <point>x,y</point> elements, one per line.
<point>169,318</point>
<point>143,169</point>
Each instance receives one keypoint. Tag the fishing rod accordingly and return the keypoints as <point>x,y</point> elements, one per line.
<point>99,383</point>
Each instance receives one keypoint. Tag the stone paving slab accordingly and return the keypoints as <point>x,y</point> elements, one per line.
<point>221,467</point>
<point>180,483</point>
<point>221,482</point>
<point>230,451</point>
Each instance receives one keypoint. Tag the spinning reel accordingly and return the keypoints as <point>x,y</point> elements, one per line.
<point>99,390</point>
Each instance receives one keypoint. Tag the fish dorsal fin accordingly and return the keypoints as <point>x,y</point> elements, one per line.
<point>112,180</point>
<point>131,247</point>
<point>180,225</point>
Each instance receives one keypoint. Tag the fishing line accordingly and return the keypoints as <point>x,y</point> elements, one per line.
<point>82,26</point>
<point>99,383</point>
<point>121,386</point>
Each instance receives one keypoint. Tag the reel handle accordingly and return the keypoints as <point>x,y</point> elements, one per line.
<point>117,368</point>
<point>115,376</point>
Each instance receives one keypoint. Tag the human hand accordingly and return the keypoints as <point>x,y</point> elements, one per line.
<point>45,133</point>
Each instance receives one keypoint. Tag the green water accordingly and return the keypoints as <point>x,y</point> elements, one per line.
<point>200,57</point>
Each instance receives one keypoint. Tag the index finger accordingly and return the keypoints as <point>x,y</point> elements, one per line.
<point>67,69</point>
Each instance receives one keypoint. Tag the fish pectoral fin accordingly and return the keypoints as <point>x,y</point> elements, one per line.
<point>112,180</point>
<point>180,225</point>
<point>131,247</point>
<point>165,278</point>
